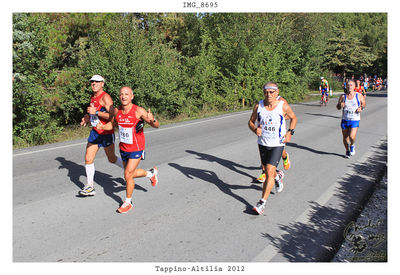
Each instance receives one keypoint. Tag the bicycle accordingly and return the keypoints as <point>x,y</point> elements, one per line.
<point>324,99</point>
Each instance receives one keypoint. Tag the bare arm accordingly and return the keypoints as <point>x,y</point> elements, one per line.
<point>107,102</point>
<point>293,120</point>
<point>340,103</point>
<point>109,125</point>
<point>362,105</point>
<point>252,121</point>
<point>85,120</point>
<point>148,117</point>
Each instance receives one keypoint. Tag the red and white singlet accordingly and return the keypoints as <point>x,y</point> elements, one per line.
<point>94,119</point>
<point>358,89</point>
<point>129,140</point>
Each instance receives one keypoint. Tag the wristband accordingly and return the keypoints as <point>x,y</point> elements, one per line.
<point>97,112</point>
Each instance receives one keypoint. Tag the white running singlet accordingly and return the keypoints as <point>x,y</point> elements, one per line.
<point>350,107</point>
<point>273,125</point>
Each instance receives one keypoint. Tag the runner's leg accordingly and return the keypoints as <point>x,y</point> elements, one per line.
<point>269,182</point>
<point>346,139</point>
<point>129,173</point>
<point>352,135</point>
<point>91,150</point>
<point>110,152</point>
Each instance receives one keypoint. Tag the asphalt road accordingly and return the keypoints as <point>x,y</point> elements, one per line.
<point>201,209</point>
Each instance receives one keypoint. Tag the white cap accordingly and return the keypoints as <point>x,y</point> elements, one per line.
<point>322,77</point>
<point>97,77</point>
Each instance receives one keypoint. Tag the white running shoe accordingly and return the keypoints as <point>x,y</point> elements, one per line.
<point>259,208</point>
<point>352,150</point>
<point>154,178</point>
<point>279,182</point>
<point>87,190</point>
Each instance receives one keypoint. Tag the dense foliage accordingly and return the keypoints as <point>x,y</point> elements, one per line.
<point>180,64</point>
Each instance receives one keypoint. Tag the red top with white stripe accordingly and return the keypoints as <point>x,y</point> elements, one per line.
<point>100,108</point>
<point>129,140</point>
<point>358,90</point>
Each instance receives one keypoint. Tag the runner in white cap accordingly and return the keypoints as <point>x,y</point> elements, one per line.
<point>99,111</point>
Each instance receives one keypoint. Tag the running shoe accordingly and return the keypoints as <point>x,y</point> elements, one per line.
<point>348,154</point>
<point>261,178</point>
<point>87,190</point>
<point>352,150</point>
<point>154,178</point>
<point>286,162</point>
<point>279,182</point>
<point>259,208</point>
<point>125,207</point>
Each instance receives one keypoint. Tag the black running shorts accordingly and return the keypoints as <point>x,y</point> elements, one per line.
<point>270,155</point>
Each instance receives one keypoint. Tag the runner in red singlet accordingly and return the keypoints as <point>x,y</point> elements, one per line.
<point>359,88</point>
<point>129,118</point>
<point>98,112</point>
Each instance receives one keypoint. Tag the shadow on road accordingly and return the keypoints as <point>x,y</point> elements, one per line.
<point>211,177</point>
<point>110,185</point>
<point>226,163</point>
<point>319,238</point>
<point>308,104</point>
<point>336,117</point>
<point>313,150</point>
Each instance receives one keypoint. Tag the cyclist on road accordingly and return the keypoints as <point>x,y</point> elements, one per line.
<point>324,88</point>
<point>98,113</point>
<point>352,105</point>
<point>272,135</point>
<point>129,118</point>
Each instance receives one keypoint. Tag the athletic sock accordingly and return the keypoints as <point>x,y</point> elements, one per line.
<point>128,200</point>
<point>90,173</point>
<point>263,200</point>
<point>149,174</point>
<point>119,163</point>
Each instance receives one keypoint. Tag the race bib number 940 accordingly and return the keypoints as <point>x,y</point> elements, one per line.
<point>125,135</point>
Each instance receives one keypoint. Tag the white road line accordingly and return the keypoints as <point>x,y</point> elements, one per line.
<point>48,149</point>
<point>153,131</point>
<point>271,251</point>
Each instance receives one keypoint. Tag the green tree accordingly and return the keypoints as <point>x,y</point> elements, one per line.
<point>346,53</point>
<point>32,115</point>
<point>126,54</point>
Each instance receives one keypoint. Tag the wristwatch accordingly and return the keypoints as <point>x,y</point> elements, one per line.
<point>291,131</point>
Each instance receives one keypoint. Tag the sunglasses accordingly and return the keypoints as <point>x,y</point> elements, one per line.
<point>269,92</point>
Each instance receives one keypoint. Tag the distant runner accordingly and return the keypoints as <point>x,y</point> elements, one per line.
<point>359,88</point>
<point>352,104</point>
